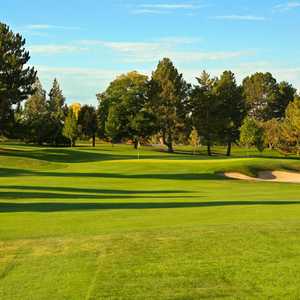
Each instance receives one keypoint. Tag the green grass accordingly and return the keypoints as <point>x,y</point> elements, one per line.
<point>97,223</point>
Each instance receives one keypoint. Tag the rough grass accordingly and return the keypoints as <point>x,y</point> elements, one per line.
<point>99,224</point>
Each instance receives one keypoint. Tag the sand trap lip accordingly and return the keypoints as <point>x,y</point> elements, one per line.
<point>271,176</point>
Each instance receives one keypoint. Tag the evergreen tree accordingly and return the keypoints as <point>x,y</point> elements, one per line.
<point>57,110</point>
<point>70,129</point>
<point>56,101</point>
<point>16,79</point>
<point>168,94</point>
<point>232,108</point>
<point>205,108</point>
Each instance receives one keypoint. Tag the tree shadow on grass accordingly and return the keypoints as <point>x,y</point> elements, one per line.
<point>6,172</point>
<point>67,155</point>
<point>61,207</point>
<point>64,155</point>
<point>89,190</point>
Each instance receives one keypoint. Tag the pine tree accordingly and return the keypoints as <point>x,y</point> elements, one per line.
<point>56,101</point>
<point>232,108</point>
<point>168,94</point>
<point>205,109</point>
<point>57,110</point>
<point>16,79</point>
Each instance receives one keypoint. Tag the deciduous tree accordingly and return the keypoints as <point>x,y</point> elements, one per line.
<point>129,115</point>
<point>272,129</point>
<point>36,115</point>
<point>290,128</point>
<point>87,120</point>
<point>261,94</point>
<point>70,129</point>
<point>252,134</point>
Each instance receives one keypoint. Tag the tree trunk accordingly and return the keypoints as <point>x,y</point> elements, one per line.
<point>208,148</point>
<point>228,148</point>
<point>94,140</point>
<point>170,147</point>
<point>168,143</point>
<point>136,144</point>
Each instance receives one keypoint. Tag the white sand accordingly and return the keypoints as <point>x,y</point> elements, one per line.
<point>273,176</point>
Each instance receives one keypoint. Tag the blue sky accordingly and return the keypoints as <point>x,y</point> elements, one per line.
<point>87,43</point>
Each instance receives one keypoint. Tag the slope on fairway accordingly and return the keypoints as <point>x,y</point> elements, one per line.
<point>98,223</point>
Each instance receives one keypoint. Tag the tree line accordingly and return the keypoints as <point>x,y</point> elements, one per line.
<point>259,112</point>
<point>164,108</point>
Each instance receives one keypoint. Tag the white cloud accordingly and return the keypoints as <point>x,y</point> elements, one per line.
<point>171,6</point>
<point>239,18</point>
<point>49,26</point>
<point>55,49</point>
<point>146,52</point>
<point>76,72</point>
<point>165,8</point>
<point>287,6</point>
<point>149,12</point>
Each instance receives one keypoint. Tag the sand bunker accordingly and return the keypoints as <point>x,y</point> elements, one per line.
<point>275,176</point>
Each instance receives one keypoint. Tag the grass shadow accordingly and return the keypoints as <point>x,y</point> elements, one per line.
<point>11,172</point>
<point>64,207</point>
<point>90,190</point>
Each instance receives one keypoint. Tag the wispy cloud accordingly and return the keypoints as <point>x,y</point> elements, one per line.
<point>171,6</point>
<point>148,52</point>
<point>49,27</point>
<point>55,49</point>
<point>165,8</point>
<point>77,72</point>
<point>239,18</point>
<point>287,6</point>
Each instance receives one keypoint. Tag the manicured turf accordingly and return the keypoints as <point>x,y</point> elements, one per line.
<point>99,224</point>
